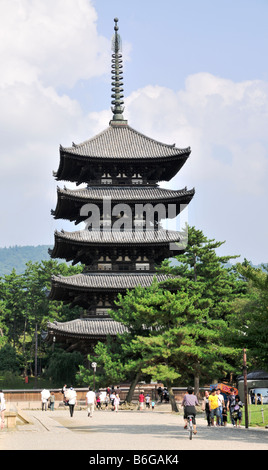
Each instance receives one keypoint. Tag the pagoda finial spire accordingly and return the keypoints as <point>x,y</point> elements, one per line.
<point>117,76</point>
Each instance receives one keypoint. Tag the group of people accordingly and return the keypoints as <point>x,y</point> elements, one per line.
<point>145,400</point>
<point>163,394</point>
<point>216,407</point>
<point>47,400</point>
<point>93,400</point>
<point>69,398</point>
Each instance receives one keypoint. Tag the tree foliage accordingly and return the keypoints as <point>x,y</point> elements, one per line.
<point>250,314</point>
<point>181,329</point>
<point>25,307</point>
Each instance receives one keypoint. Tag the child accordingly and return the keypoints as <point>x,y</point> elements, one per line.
<point>116,402</point>
<point>98,403</point>
<point>147,399</point>
<point>224,416</point>
<point>153,403</point>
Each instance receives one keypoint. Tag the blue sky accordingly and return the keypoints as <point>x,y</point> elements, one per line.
<point>195,74</point>
<point>182,37</point>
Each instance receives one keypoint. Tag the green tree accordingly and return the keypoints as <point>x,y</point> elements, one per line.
<point>63,366</point>
<point>250,314</point>
<point>174,333</point>
<point>25,307</point>
<point>8,359</point>
<point>12,306</point>
<point>201,270</point>
<point>110,365</point>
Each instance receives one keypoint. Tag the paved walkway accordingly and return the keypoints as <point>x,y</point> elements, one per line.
<point>125,430</point>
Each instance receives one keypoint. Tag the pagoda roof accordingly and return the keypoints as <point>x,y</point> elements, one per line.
<point>123,142</point>
<point>87,327</point>
<point>120,145</point>
<point>81,289</point>
<point>125,193</point>
<point>70,201</point>
<point>115,237</point>
<point>107,281</point>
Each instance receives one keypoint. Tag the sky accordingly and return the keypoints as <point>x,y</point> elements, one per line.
<point>195,74</point>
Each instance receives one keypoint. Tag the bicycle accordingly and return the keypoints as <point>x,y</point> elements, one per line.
<point>190,426</point>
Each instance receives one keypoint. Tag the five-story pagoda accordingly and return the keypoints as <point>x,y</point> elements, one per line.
<point>122,207</point>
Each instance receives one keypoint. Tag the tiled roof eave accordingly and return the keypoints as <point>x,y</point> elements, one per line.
<point>110,282</point>
<point>127,194</point>
<point>86,238</point>
<point>87,328</point>
<point>159,158</point>
<point>123,142</point>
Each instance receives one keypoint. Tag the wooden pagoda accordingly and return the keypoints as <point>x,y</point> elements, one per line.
<point>122,206</point>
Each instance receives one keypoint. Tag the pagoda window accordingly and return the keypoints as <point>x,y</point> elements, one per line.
<point>105,266</point>
<point>137,181</point>
<point>142,266</point>
<point>124,267</point>
<point>106,178</point>
<point>101,311</point>
<point>106,181</point>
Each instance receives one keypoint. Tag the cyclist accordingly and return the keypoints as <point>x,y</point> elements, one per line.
<point>189,402</point>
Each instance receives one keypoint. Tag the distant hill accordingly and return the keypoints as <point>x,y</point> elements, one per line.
<point>17,256</point>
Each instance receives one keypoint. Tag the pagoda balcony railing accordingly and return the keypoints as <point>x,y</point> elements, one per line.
<point>122,182</point>
<point>119,269</point>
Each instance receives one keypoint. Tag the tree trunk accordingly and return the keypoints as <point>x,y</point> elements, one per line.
<point>173,403</point>
<point>132,387</point>
<point>196,385</point>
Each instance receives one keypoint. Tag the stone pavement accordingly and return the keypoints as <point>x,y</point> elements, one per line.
<point>125,430</point>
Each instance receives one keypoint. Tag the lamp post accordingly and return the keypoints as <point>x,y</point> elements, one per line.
<point>94,366</point>
<point>245,387</point>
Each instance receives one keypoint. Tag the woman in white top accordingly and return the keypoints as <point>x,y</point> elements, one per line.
<point>2,408</point>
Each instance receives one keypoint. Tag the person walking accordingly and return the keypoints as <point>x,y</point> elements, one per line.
<point>52,401</point>
<point>237,413</point>
<point>141,400</point>
<point>205,407</point>
<point>64,391</point>
<point>189,402</point>
<point>71,397</point>
<point>112,397</point>
<point>2,408</point>
<point>147,400</point>
<point>213,406</point>
<point>231,404</point>
<point>45,394</point>
<point>90,401</point>
<point>221,405</point>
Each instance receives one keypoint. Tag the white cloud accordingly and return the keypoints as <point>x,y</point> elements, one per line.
<point>55,42</point>
<point>43,46</point>
<point>225,124</point>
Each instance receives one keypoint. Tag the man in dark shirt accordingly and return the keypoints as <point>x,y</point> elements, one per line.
<point>189,402</point>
